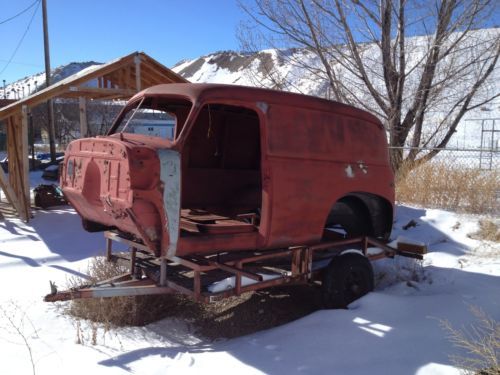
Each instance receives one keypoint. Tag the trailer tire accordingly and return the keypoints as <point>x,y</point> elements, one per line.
<point>347,278</point>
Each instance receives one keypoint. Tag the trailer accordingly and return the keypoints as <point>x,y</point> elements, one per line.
<point>341,266</point>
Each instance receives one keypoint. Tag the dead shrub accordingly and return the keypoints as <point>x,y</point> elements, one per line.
<point>119,311</point>
<point>450,186</point>
<point>480,341</point>
<point>18,328</point>
<point>488,230</point>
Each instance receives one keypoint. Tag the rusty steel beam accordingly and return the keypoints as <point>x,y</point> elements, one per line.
<point>280,280</point>
<point>124,289</point>
<point>231,269</point>
<point>116,237</point>
<point>415,251</point>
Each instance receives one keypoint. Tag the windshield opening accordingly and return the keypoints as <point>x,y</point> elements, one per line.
<point>155,117</point>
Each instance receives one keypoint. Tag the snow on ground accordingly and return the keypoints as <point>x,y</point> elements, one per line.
<point>394,330</point>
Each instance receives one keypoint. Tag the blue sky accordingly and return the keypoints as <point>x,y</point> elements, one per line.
<point>101,30</point>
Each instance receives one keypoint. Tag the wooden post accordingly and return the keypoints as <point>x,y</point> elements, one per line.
<point>9,192</point>
<point>17,173</point>
<point>83,117</point>
<point>137,61</point>
<point>25,161</point>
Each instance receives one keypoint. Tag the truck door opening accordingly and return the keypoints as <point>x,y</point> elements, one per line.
<point>221,172</point>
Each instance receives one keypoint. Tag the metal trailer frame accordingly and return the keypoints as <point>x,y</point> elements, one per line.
<point>147,277</point>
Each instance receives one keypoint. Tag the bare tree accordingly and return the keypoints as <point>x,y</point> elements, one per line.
<point>419,65</point>
<point>101,114</point>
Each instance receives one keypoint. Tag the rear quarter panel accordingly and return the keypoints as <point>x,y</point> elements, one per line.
<point>314,158</point>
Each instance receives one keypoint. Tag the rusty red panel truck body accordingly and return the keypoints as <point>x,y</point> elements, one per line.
<point>189,170</point>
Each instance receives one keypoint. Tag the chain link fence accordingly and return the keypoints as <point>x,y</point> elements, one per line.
<point>455,179</point>
<point>486,159</point>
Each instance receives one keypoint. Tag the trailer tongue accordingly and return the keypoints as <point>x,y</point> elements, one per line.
<point>195,276</point>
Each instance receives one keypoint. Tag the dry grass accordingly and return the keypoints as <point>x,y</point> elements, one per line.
<point>488,230</point>
<point>480,341</point>
<point>448,186</point>
<point>118,311</point>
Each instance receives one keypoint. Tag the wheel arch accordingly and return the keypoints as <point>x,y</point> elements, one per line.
<point>376,212</point>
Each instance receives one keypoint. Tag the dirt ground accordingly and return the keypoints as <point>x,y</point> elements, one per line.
<point>250,312</point>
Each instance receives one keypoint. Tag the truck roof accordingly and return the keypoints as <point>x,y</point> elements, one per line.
<point>196,92</point>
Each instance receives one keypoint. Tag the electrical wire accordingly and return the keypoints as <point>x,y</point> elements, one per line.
<point>20,13</point>
<point>22,38</point>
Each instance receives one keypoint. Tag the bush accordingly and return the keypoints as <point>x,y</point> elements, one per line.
<point>480,341</point>
<point>120,311</point>
<point>488,230</point>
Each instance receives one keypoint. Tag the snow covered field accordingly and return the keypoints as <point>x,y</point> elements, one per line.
<point>394,330</point>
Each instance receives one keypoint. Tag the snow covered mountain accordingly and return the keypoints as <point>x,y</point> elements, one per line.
<point>299,70</point>
<point>25,86</point>
<point>268,68</point>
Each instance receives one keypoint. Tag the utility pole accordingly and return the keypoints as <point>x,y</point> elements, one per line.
<point>50,104</point>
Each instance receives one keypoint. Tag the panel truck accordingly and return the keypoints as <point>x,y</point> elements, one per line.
<point>249,186</point>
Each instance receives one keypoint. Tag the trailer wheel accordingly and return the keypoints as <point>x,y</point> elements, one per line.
<point>347,278</point>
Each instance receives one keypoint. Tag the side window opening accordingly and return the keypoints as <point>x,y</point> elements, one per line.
<point>225,137</point>
<point>162,118</point>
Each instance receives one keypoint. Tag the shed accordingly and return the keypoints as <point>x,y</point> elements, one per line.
<point>118,79</point>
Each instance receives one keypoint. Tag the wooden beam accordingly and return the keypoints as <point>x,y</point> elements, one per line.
<point>80,91</point>
<point>157,75</point>
<point>137,62</point>
<point>16,170</point>
<point>9,192</point>
<point>121,78</point>
<point>25,161</point>
<point>155,65</point>
<point>82,105</point>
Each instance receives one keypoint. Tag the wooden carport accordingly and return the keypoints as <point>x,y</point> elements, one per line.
<point>118,79</point>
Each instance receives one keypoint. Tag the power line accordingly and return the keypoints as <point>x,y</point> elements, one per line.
<point>22,39</point>
<point>18,14</point>
<point>22,63</point>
